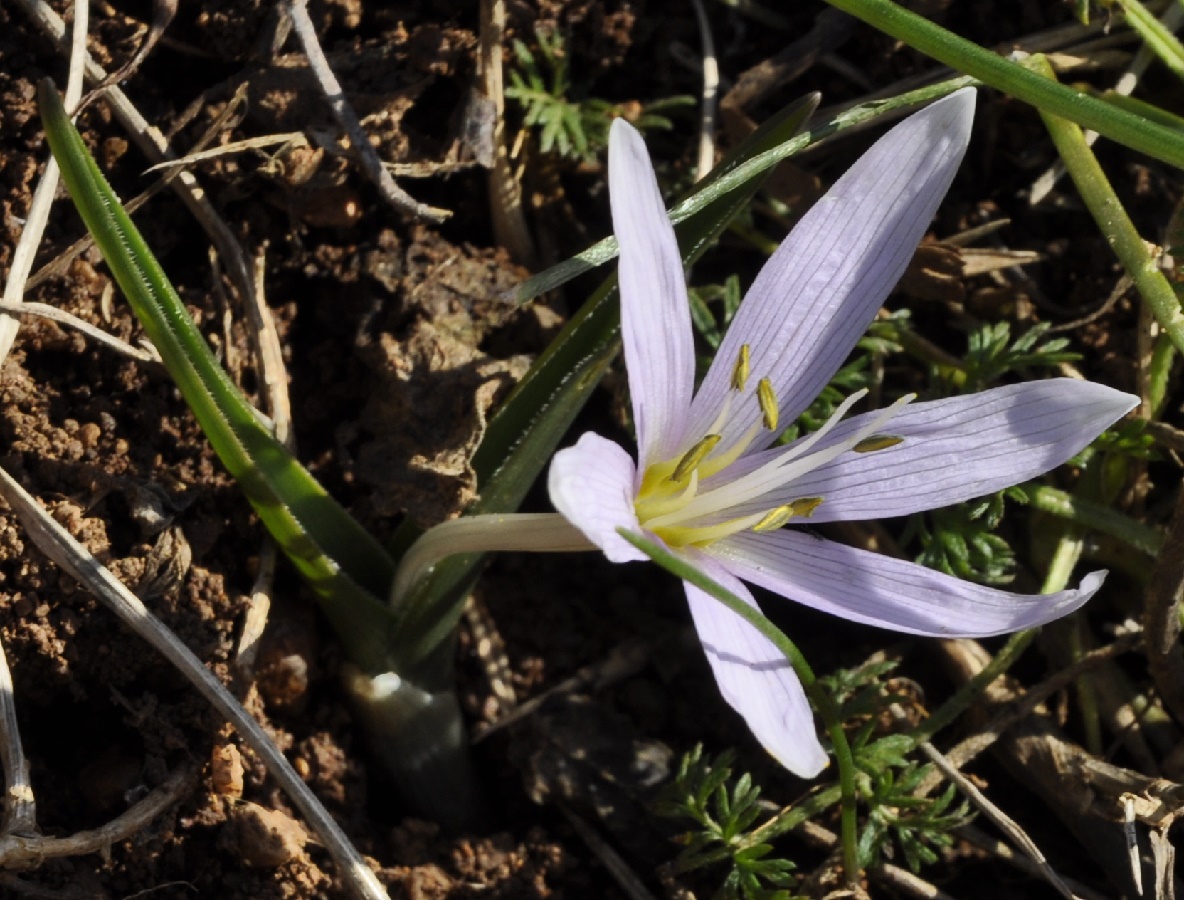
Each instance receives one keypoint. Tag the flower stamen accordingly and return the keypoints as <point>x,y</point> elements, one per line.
<point>768,402</point>
<point>691,459</point>
<point>740,370</point>
<point>774,519</point>
<point>877,442</point>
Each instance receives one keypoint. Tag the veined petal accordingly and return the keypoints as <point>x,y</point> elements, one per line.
<point>891,593</point>
<point>819,291</point>
<point>655,314</point>
<point>954,449</point>
<point>591,484</point>
<point>754,677</point>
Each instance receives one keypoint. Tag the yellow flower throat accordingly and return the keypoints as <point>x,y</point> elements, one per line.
<point>670,505</point>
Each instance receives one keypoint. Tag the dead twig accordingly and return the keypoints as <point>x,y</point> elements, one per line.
<point>1006,854</point>
<point>1004,822</point>
<point>507,214</point>
<point>622,874</point>
<point>57,543</point>
<point>35,221</point>
<point>20,851</point>
<point>20,805</point>
<point>1043,760</point>
<point>110,341</point>
<point>154,146</point>
<point>710,96</point>
<point>163,13</point>
<point>348,120</point>
<point>968,749</point>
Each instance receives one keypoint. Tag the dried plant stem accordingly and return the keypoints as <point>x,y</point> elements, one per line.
<point>710,95</point>
<point>506,211</point>
<point>348,120</point>
<point>966,750</point>
<point>110,341</point>
<point>60,546</point>
<point>624,661</point>
<point>1005,823</point>
<point>19,851</point>
<point>20,805</point>
<point>154,146</point>
<point>274,375</point>
<point>38,216</point>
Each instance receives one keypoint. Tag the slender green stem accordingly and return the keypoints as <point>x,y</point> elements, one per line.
<point>1064,558</point>
<point>1165,45</point>
<point>1011,78</point>
<point>1095,516</point>
<point>825,706</point>
<point>1159,373</point>
<point>535,532</point>
<point>1060,569</point>
<point>970,691</point>
<point>1112,219</point>
<point>1087,696</point>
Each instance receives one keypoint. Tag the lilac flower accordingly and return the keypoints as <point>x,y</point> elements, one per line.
<point>709,485</point>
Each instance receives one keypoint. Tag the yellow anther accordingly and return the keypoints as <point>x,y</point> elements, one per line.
<point>740,370</point>
<point>774,518</point>
<point>691,459</point>
<point>768,402</point>
<point>877,442</point>
<point>805,506</point>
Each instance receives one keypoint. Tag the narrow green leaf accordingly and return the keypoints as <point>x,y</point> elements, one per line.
<point>756,156</point>
<point>346,567</point>
<point>1015,80</point>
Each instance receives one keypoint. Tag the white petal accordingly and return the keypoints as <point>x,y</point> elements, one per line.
<point>655,314</point>
<point>754,677</point>
<point>591,484</point>
<point>820,290</point>
<point>953,450</point>
<point>891,593</point>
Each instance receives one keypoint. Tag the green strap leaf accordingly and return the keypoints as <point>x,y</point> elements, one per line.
<point>346,567</point>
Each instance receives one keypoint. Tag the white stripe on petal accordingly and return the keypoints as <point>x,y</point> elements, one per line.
<point>891,593</point>
<point>754,677</point>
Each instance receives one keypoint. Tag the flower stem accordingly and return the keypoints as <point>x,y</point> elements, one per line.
<point>1112,218</point>
<point>972,689</point>
<point>1095,516</point>
<point>821,701</point>
<point>1156,36</point>
<point>536,532</point>
<point>1049,97</point>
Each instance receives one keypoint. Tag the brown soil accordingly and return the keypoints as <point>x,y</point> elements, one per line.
<point>398,345</point>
